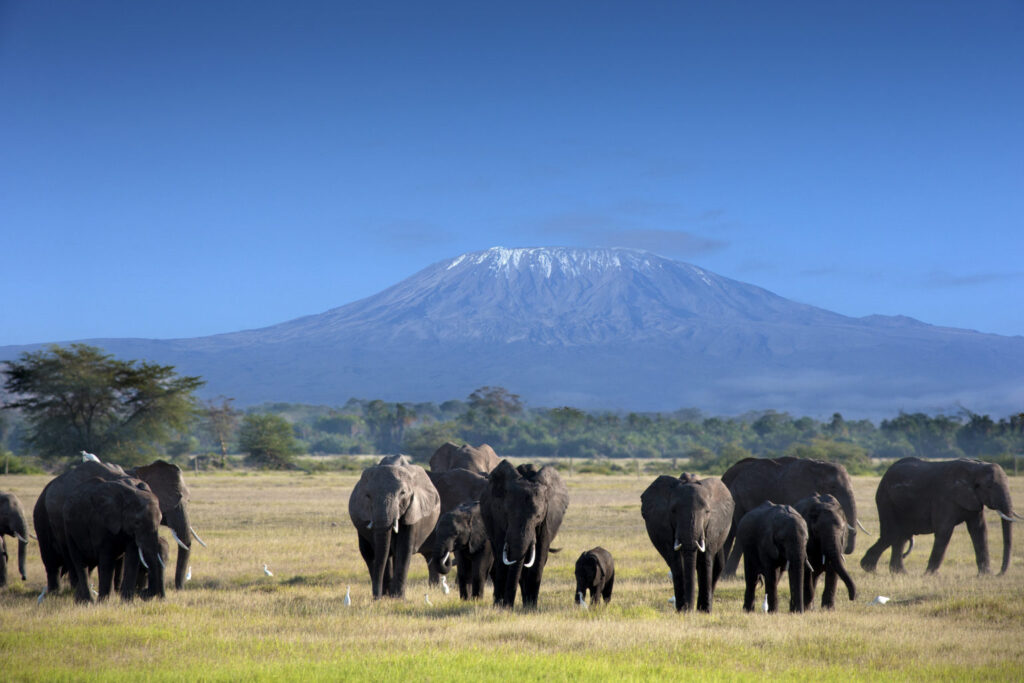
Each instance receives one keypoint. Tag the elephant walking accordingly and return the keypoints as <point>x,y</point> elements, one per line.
<point>595,572</point>
<point>460,534</point>
<point>394,507</point>
<point>773,538</point>
<point>826,536</point>
<point>13,524</point>
<point>454,487</point>
<point>926,497</point>
<point>480,459</point>
<point>785,481</point>
<point>522,509</point>
<point>688,521</point>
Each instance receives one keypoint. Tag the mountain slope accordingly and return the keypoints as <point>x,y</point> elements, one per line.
<point>601,328</point>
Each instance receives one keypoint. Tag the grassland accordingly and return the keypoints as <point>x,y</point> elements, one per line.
<point>234,623</point>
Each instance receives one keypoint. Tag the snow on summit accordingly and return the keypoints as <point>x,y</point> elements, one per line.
<point>567,261</point>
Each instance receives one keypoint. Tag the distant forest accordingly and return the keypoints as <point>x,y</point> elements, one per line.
<point>603,441</point>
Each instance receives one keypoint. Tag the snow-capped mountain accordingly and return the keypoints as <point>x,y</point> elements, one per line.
<point>601,328</point>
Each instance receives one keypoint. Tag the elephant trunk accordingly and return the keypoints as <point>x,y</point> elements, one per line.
<point>834,561</point>
<point>381,553</point>
<point>178,522</point>
<point>22,545</point>
<point>689,574</point>
<point>155,573</point>
<point>443,564</point>
<point>797,566</point>
<point>1007,543</point>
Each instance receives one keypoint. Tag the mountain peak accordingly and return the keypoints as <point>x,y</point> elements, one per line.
<point>567,261</point>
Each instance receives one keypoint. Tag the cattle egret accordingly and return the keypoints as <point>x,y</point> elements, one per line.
<point>880,600</point>
<point>86,457</point>
<point>348,597</point>
<point>42,595</point>
<point>444,584</point>
<point>266,570</point>
<point>426,599</point>
<point>672,600</point>
<point>764,607</point>
<point>188,574</point>
<point>582,601</point>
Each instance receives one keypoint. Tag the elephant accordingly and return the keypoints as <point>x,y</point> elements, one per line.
<point>105,519</point>
<point>480,459</point>
<point>394,507</point>
<point>595,572</point>
<point>522,509</point>
<point>826,537</point>
<point>932,497</point>
<point>785,481</point>
<point>460,533</point>
<point>773,537</point>
<point>167,482</point>
<point>454,487</point>
<point>12,523</point>
<point>688,520</point>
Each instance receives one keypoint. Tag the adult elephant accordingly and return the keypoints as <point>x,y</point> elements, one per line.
<point>773,538</point>
<point>13,524</point>
<point>688,520</point>
<point>932,497</point>
<point>394,507</point>
<point>785,481</point>
<point>105,519</point>
<point>460,534</point>
<point>454,487</point>
<point>826,537</point>
<point>481,459</point>
<point>522,509</point>
<point>168,484</point>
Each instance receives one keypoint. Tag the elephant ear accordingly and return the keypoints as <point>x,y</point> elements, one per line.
<point>654,499</point>
<point>477,532</point>
<point>166,482</point>
<point>108,507</point>
<point>558,498</point>
<point>501,477</point>
<point>425,501</point>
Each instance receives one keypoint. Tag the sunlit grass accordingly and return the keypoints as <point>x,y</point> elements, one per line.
<point>233,622</point>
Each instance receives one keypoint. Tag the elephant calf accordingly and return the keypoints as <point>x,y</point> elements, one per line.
<point>826,537</point>
<point>595,572</point>
<point>771,538</point>
<point>460,535</point>
<point>13,524</point>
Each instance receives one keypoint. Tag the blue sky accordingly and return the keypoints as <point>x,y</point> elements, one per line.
<point>175,169</point>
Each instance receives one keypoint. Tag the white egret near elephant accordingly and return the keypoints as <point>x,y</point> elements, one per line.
<point>444,585</point>
<point>266,570</point>
<point>426,599</point>
<point>86,457</point>
<point>880,600</point>
<point>348,597</point>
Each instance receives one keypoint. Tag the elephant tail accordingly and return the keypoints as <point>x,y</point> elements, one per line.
<point>910,548</point>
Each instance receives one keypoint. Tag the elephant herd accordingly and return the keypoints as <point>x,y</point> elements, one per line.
<point>100,516</point>
<point>492,521</point>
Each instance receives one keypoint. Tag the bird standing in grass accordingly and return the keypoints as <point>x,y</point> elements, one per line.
<point>348,598</point>
<point>266,570</point>
<point>444,585</point>
<point>426,599</point>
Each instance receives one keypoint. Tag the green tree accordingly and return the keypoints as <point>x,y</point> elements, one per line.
<point>78,398</point>
<point>387,423</point>
<point>221,422</point>
<point>269,440</point>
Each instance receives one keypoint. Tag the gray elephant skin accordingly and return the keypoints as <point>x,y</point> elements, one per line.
<point>595,572</point>
<point>785,481</point>
<point>688,520</point>
<point>826,537</point>
<point>480,459</point>
<point>454,487</point>
<point>932,497</point>
<point>460,535</point>
<point>773,538</point>
<point>394,507</point>
<point>522,509</point>
<point>168,484</point>
<point>13,524</point>
<point>104,520</point>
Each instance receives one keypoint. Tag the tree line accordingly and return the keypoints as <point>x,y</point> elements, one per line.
<point>63,400</point>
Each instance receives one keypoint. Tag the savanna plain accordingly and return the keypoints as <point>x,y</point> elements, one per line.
<point>233,622</point>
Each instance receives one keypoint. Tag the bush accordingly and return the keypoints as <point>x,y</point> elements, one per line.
<point>269,441</point>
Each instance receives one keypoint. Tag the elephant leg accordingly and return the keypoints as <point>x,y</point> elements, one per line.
<point>530,583</point>
<point>481,567</point>
<point>105,575</point>
<point>81,573</point>
<point>733,561</point>
<point>750,577</point>
<point>828,595</point>
<point>433,576</point>
<point>366,550</point>
<point>512,581</point>
<point>704,562</point>
<point>716,568</point>
<point>979,538</point>
<point>402,545</point>
<point>606,590</point>
<point>870,559</point>
<point>3,562</point>
<point>896,558</point>
<point>810,584</point>
<point>771,587</point>
<point>942,537</point>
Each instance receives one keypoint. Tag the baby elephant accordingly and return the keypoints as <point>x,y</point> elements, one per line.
<point>462,540</point>
<point>595,572</point>
<point>773,538</point>
<point>826,538</point>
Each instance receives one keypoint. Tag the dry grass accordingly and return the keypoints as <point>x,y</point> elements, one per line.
<point>233,622</point>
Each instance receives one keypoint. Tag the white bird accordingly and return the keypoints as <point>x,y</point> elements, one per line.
<point>444,585</point>
<point>426,599</point>
<point>86,457</point>
<point>880,600</point>
<point>188,573</point>
<point>672,600</point>
<point>42,595</point>
<point>764,607</point>
<point>348,598</point>
<point>266,570</point>
<point>582,601</point>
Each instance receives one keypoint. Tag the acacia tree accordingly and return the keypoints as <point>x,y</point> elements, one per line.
<point>269,440</point>
<point>78,398</point>
<point>221,421</point>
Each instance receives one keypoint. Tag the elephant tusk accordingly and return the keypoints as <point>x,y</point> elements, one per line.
<point>677,546</point>
<point>197,536</point>
<point>396,526</point>
<point>161,561</point>
<point>504,556</point>
<point>533,556</point>
<point>369,525</point>
<point>142,559</point>
<point>863,529</point>
<point>178,540</point>
<point>33,537</point>
<point>700,545</point>
<point>444,560</point>
<point>21,538</point>
<point>850,528</point>
<point>1008,518</point>
<point>1015,514</point>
